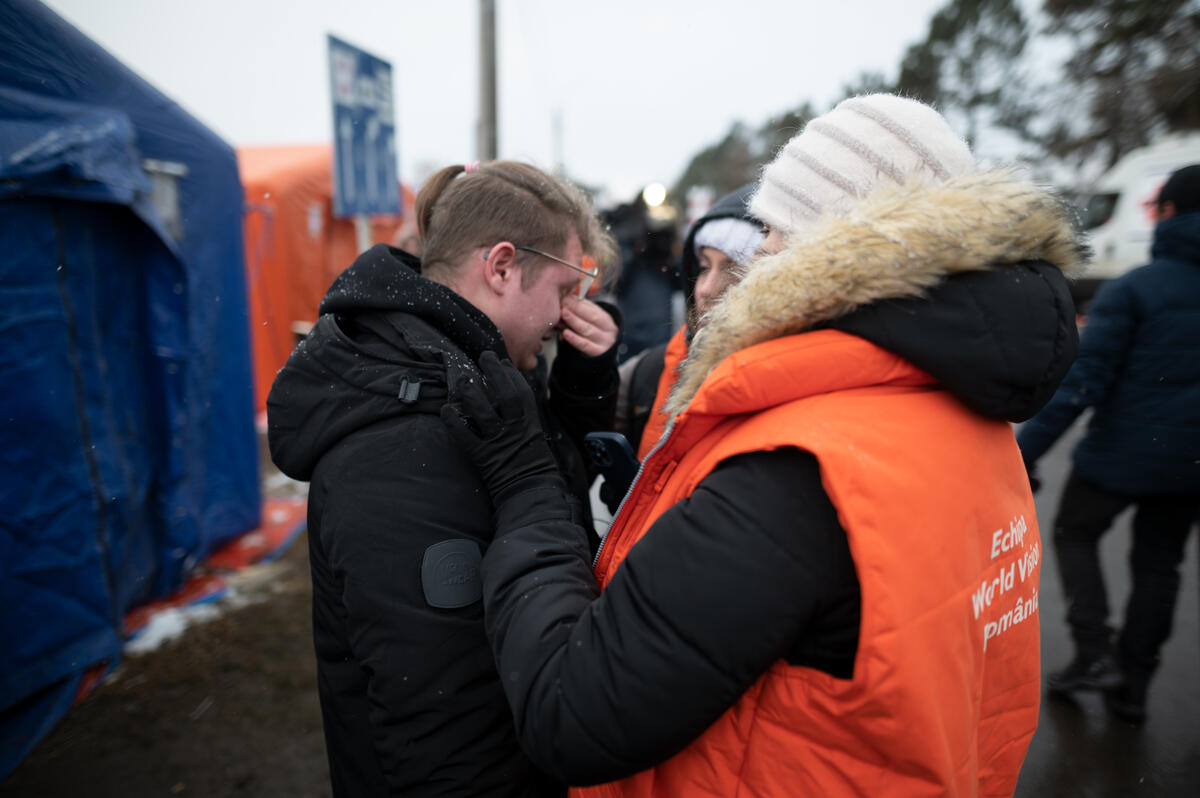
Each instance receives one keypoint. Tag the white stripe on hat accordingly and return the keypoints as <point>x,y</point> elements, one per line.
<point>901,133</point>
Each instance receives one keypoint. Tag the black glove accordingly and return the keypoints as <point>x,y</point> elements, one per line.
<point>495,423</point>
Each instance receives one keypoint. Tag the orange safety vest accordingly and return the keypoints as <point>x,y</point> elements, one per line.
<point>675,352</point>
<point>941,524</point>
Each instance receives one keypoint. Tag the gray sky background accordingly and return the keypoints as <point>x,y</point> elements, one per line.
<point>641,86</point>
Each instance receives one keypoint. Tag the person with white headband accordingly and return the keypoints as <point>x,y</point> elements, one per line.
<point>718,247</point>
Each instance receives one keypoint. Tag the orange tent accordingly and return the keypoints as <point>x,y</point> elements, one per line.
<point>294,246</point>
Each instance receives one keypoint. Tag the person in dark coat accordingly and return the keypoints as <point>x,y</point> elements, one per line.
<point>1139,371</point>
<point>397,517</point>
<point>647,281</point>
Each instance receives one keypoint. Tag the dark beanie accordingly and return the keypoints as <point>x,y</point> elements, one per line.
<point>1183,189</point>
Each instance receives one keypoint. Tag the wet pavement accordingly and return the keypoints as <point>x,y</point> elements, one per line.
<point>1081,750</point>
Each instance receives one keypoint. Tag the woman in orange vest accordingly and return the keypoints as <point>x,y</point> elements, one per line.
<point>824,580</point>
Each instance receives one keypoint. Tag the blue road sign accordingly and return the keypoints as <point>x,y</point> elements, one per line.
<point>364,132</point>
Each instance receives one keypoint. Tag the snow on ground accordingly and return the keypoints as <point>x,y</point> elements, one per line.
<point>168,625</point>
<point>278,482</point>
<point>247,586</point>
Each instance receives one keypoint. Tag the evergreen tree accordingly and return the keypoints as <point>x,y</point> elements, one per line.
<point>970,66</point>
<point>1136,68</point>
<point>723,166</point>
<point>868,83</point>
<point>777,130</point>
<point>739,157</point>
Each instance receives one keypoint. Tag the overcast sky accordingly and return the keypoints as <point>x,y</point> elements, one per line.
<point>641,85</point>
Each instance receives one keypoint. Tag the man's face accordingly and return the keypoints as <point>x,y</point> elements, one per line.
<point>717,273</point>
<point>531,315</point>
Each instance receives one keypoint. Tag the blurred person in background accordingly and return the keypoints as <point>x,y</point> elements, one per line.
<point>646,286</point>
<point>715,254</point>
<point>397,516</point>
<point>824,581</point>
<point>1139,371</point>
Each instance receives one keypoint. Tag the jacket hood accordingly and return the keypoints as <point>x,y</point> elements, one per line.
<point>732,205</point>
<point>1178,238</point>
<point>964,279</point>
<point>388,279</point>
<point>382,348</point>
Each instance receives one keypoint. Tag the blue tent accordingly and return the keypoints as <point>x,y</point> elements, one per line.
<point>126,413</point>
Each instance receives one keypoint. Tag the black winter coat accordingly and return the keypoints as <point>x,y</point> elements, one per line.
<point>397,520</point>
<point>792,596</point>
<point>754,567</point>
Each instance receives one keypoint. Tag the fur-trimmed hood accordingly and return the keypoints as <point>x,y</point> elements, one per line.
<point>901,244</point>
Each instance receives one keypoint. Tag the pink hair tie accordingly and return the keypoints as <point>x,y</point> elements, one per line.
<point>470,167</point>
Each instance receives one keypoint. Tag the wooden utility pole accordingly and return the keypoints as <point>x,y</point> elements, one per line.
<point>560,168</point>
<point>485,145</point>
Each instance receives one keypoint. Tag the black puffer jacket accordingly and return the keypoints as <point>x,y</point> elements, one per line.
<point>754,566</point>
<point>409,693</point>
<point>1139,369</point>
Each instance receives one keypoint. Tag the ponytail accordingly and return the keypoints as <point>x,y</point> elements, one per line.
<point>427,197</point>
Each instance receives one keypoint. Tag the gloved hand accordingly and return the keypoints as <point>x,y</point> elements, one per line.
<point>495,422</point>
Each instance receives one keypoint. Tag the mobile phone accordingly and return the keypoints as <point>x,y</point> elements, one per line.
<point>613,458</point>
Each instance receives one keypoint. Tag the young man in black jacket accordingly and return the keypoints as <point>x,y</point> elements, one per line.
<point>1139,370</point>
<point>397,517</point>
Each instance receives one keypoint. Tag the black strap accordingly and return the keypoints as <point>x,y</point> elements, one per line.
<point>643,388</point>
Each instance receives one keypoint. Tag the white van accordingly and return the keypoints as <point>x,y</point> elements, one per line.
<point>1119,213</point>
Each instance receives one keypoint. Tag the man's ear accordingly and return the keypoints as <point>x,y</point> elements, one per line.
<point>501,272</point>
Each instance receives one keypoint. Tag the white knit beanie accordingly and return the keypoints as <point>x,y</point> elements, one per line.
<point>841,157</point>
<point>737,238</point>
